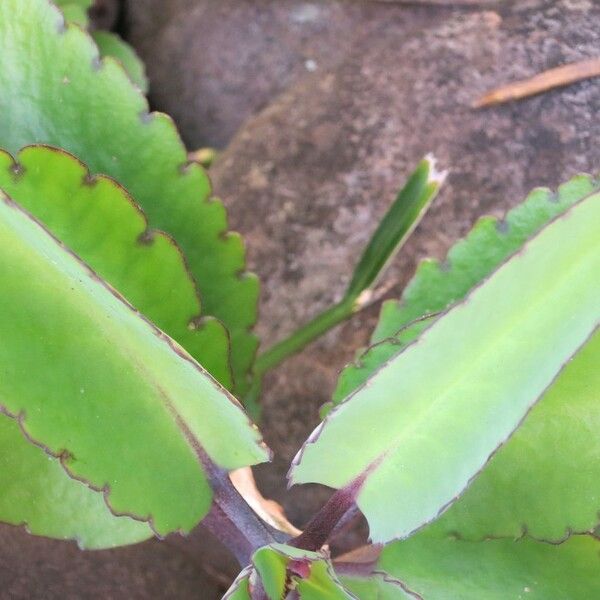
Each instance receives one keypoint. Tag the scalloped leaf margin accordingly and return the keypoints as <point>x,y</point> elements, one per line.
<point>118,402</point>
<point>98,221</point>
<point>74,100</point>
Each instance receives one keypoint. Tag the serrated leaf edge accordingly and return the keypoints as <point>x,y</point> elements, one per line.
<point>501,223</point>
<point>314,436</point>
<point>195,321</point>
<point>145,117</point>
<point>195,444</point>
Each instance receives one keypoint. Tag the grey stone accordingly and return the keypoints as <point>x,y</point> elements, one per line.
<point>213,64</point>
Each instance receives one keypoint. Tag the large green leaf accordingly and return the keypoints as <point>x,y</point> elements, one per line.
<point>54,90</point>
<point>38,493</point>
<point>368,361</point>
<point>122,405</point>
<point>445,404</point>
<point>546,480</point>
<point>447,569</point>
<point>377,586</point>
<point>98,221</point>
<point>436,286</point>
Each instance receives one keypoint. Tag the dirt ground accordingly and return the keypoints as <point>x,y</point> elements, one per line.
<point>321,109</point>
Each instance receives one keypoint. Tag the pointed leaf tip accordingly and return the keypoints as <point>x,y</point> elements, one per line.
<point>435,176</point>
<point>395,228</point>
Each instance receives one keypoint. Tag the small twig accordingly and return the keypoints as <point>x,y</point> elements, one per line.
<point>547,80</point>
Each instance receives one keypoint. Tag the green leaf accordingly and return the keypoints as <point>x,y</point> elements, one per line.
<point>435,286</point>
<point>281,567</point>
<point>96,219</point>
<point>546,480</point>
<point>83,4</point>
<point>395,228</point>
<point>123,406</point>
<point>322,584</point>
<point>70,99</point>
<point>75,13</point>
<point>446,569</point>
<point>240,588</point>
<point>100,223</point>
<point>38,493</point>
<point>377,586</point>
<point>368,361</point>
<point>271,566</point>
<point>445,404</point>
<point>111,44</point>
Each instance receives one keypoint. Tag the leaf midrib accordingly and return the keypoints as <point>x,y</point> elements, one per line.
<point>505,333</point>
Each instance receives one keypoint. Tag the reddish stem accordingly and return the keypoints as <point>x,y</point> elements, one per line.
<point>325,522</point>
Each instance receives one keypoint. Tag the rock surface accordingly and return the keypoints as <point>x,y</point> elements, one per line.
<point>306,181</point>
<point>213,64</point>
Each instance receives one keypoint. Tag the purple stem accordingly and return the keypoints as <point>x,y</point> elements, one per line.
<point>225,530</point>
<point>345,521</point>
<point>232,520</point>
<point>325,522</point>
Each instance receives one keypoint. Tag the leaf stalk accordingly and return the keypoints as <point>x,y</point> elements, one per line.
<point>315,328</point>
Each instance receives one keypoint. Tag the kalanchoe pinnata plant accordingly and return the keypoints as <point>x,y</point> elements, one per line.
<point>466,434</point>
